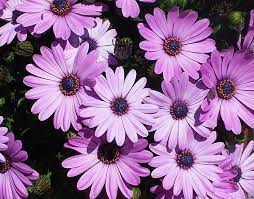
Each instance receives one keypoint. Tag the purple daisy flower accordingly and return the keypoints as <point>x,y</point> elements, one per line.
<point>118,109</point>
<point>11,28</point>
<point>66,16</point>
<point>15,175</point>
<point>130,8</point>
<point>241,161</point>
<point>176,41</point>
<point>100,38</point>
<point>191,169</point>
<point>3,139</point>
<point>59,87</point>
<point>230,78</point>
<point>106,164</point>
<point>176,117</point>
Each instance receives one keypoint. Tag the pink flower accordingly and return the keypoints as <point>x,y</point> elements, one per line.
<point>242,162</point>
<point>106,164</point>
<point>58,84</point>
<point>11,28</point>
<point>119,109</point>
<point>230,78</point>
<point>176,41</point>
<point>178,106</point>
<point>15,175</point>
<point>66,16</point>
<point>191,170</point>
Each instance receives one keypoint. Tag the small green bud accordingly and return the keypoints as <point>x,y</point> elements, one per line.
<point>71,134</point>
<point>136,193</point>
<point>123,48</point>
<point>42,185</point>
<point>2,101</point>
<point>236,19</point>
<point>24,49</point>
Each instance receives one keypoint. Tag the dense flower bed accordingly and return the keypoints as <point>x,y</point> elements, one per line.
<point>126,99</point>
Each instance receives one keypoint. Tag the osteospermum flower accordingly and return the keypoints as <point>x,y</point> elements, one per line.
<point>241,161</point>
<point>11,28</point>
<point>230,79</point>
<point>15,175</point>
<point>59,87</point>
<point>176,41</point>
<point>192,169</point>
<point>118,109</point>
<point>178,105</point>
<point>100,38</point>
<point>106,164</point>
<point>3,139</point>
<point>66,16</point>
<point>130,8</point>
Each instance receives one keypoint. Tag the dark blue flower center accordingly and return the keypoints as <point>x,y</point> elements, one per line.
<point>185,159</point>
<point>239,174</point>
<point>119,106</point>
<point>5,166</point>
<point>69,85</point>
<point>61,7</point>
<point>108,153</point>
<point>179,110</point>
<point>172,46</point>
<point>226,89</point>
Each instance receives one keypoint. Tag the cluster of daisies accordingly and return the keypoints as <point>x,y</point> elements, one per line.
<point>113,111</point>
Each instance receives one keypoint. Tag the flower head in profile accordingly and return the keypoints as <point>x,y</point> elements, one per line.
<point>11,28</point>
<point>130,8</point>
<point>66,16</point>
<point>3,139</point>
<point>241,161</point>
<point>177,42</point>
<point>15,175</point>
<point>105,164</point>
<point>119,110</point>
<point>176,117</point>
<point>230,78</point>
<point>247,43</point>
<point>191,170</point>
<point>58,84</point>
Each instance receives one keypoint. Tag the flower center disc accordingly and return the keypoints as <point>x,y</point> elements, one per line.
<point>119,106</point>
<point>172,46</point>
<point>185,159</point>
<point>226,89</point>
<point>5,166</point>
<point>61,7</point>
<point>179,110</point>
<point>69,85</point>
<point>108,153</point>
